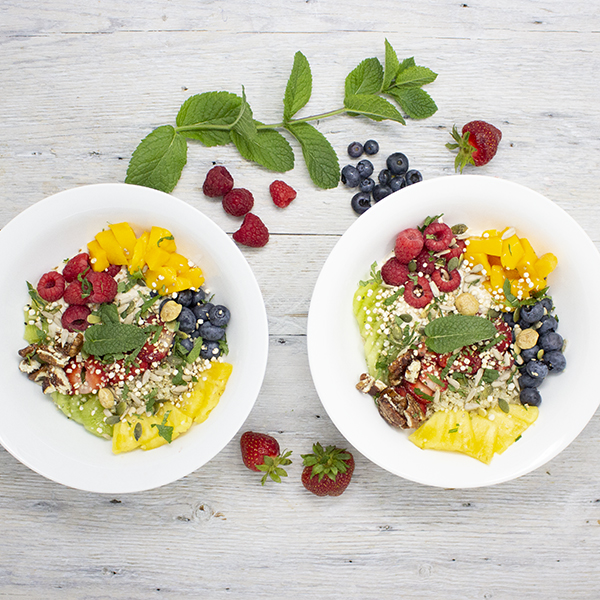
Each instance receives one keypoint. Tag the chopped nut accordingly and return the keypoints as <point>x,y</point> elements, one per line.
<point>170,311</point>
<point>467,304</point>
<point>527,338</point>
<point>106,398</point>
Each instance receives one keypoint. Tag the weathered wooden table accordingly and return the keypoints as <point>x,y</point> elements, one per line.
<point>81,83</point>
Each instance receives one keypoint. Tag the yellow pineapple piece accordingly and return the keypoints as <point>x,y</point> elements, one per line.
<point>207,392</point>
<point>484,433</point>
<point>510,425</point>
<point>430,433</point>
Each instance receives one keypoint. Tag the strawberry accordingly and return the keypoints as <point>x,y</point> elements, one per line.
<point>282,193</point>
<point>260,452</point>
<point>86,376</point>
<point>476,146</point>
<point>327,472</point>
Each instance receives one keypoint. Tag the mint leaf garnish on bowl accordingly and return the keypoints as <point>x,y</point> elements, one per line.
<point>452,332</point>
<point>113,338</point>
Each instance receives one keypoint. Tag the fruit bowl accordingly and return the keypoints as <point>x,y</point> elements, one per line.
<point>336,353</point>
<point>41,437</point>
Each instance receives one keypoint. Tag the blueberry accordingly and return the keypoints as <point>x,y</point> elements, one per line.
<point>530,396</point>
<point>371,147</point>
<point>185,297</point>
<point>366,185</point>
<point>201,312</point>
<point>350,176</point>
<point>529,353</point>
<point>219,315</point>
<point>537,369</point>
<point>361,202</point>
<point>413,176</point>
<point>555,360</point>
<point>210,350</point>
<point>384,177</point>
<point>211,333</point>
<point>548,323</point>
<point>397,163</point>
<point>397,183</point>
<point>355,149</point>
<point>508,318</point>
<point>532,313</point>
<point>550,341</point>
<point>187,320</point>
<point>187,344</point>
<point>198,296</point>
<point>547,303</point>
<point>527,381</point>
<point>364,168</point>
<point>381,191</point>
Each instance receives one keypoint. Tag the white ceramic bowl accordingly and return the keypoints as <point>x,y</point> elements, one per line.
<point>336,352</point>
<point>31,428</point>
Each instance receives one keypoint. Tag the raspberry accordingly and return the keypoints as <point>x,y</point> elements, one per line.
<point>78,264</point>
<point>418,294</point>
<point>446,281</point>
<point>409,244</point>
<point>112,270</point>
<point>253,232</point>
<point>504,330</point>
<point>75,318</point>
<point>425,263</point>
<point>75,294</point>
<point>394,272</point>
<point>282,193</point>
<point>238,202</point>
<point>104,287</point>
<point>217,183</point>
<point>51,286</point>
<point>438,236</point>
<point>456,251</point>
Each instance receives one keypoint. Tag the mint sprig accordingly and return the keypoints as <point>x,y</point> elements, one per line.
<point>449,333</point>
<point>218,118</point>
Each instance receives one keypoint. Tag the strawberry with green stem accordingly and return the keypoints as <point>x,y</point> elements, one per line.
<point>477,145</point>
<point>327,472</point>
<point>260,452</point>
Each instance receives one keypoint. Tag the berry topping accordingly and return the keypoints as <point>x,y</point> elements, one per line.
<point>505,331</point>
<point>282,193</point>
<point>397,163</point>
<point>361,202</point>
<point>218,182</point>
<point>418,294</point>
<point>350,176</point>
<point>438,236</point>
<point>104,287</point>
<point>371,147</point>
<point>113,270</point>
<point>446,281</point>
<point>219,315</point>
<point>425,263</point>
<point>409,244</point>
<point>78,264</point>
<point>455,251</point>
<point>238,202</point>
<point>477,145</point>
<point>355,149</point>
<point>78,292</point>
<point>253,232</point>
<point>394,272</point>
<point>51,286</point>
<point>75,317</point>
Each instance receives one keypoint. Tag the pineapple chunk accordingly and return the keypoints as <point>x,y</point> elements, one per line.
<point>510,425</point>
<point>484,432</point>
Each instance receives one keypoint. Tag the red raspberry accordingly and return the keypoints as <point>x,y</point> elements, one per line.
<point>238,202</point>
<point>75,294</point>
<point>218,182</point>
<point>467,362</point>
<point>282,193</point>
<point>104,287</point>
<point>112,270</point>
<point>409,244</point>
<point>425,263</point>
<point>438,236</point>
<point>455,251</point>
<point>253,232</point>
<point>446,281</point>
<point>504,330</point>
<point>394,272</point>
<point>418,294</point>
<point>75,317</point>
<point>51,286</point>
<point>78,264</point>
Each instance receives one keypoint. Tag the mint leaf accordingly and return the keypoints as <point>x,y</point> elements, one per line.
<point>366,78</point>
<point>268,148</point>
<point>407,62</point>
<point>165,431</point>
<point>321,159</point>
<point>108,313</point>
<point>452,332</point>
<point>244,124</point>
<point>415,76</point>
<point>113,338</point>
<point>299,87</point>
<point>415,102</point>
<point>158,160</point>
<point>373,107</point>
<point>392,66</point>
<point>208,110</point>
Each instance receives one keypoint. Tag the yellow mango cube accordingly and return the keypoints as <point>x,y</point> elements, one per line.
<point>512,252</point>
<point>114,252</point>
<point>161,279</point>
<point>546,264</point>
<point>137,259</point>
<point>125,236</point>
<point>98,257</point>
<point>162,238</point>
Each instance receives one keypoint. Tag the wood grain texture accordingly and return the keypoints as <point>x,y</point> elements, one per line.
<point>81,84</point>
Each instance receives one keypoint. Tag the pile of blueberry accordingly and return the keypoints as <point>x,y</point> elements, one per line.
<point>200,318</point>
<point>394,177</point>
<point>546,356</point>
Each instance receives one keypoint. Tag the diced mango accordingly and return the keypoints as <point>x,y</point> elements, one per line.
<point>546,264</point>
<point>97,256</point>
<point>179,262</point>
<point>125,236</point>
<point>138,261</point>
<point>485,245</point>
<point>161,279</point>
<point>512,252</point>
<point>114,252</point>
<point>162,238</point>
<point>195,277</point>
